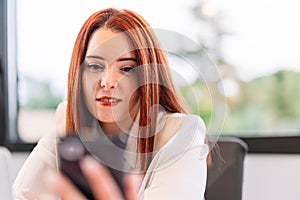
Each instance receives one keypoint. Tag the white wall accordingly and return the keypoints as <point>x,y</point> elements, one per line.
<point>266,177</point>
<point>272,177</point>
<point>17,161</point>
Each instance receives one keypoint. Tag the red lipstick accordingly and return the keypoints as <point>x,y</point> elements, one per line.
<point>108,101</point>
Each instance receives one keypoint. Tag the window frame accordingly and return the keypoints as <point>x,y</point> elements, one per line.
<point>9,107</point>
<point>3,61</point>
<point>8,93</point>
<point>273,145</point>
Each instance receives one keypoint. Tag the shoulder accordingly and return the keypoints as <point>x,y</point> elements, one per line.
<point>179,127</point>
<point>191,127</point>
<point>190,120</point>
<point>60,119</point>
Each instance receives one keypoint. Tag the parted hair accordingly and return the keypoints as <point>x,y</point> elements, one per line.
<point>156,85</point>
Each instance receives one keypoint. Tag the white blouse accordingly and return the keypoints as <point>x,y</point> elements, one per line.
<point>177,171</point>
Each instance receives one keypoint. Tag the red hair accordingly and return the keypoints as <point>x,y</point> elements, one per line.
<point>156,88</point>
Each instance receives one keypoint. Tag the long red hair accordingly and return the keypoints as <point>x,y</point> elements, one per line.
<point>157,87</point>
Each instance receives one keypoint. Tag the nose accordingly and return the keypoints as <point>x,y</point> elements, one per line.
<point>109,79</point>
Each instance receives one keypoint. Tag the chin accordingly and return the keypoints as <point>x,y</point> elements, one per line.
<point>106,119</point>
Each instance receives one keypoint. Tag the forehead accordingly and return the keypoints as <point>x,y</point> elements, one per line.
<point>109,45</point>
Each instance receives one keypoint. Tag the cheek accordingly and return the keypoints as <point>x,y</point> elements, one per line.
<point>131,88</point>
<point>89,84</point>
<point>134,98</point>
<point>89,90</point>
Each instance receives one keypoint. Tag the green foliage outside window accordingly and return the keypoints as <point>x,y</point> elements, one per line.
<point>268,103</point>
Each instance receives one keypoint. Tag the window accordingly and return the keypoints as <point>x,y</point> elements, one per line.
<point>240,76</point>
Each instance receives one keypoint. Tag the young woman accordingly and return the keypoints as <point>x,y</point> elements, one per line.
<point>119,79</point>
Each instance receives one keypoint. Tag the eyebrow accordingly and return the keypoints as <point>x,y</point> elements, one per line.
<point>127,59</point>
<point>94,56</point>
<point>118,60</point>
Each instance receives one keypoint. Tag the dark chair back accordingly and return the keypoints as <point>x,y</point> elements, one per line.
<point>225,174</point>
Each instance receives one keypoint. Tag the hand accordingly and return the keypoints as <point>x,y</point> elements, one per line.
<point>102,183</point>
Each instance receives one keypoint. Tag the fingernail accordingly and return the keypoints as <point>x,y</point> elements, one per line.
<point>89,163</point>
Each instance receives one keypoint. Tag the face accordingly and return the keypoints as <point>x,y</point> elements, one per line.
<point>109,78</point>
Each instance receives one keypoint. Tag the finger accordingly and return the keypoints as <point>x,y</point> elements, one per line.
<point>63,186</point>
<point>131,187</point>
<point>100,179</point>
<point>67,190</point>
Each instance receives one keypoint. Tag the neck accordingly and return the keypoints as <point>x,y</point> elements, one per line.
<point>111,128</point>
<point>116,128</point>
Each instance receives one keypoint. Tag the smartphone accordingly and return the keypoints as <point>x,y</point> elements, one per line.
<point>71,149</point>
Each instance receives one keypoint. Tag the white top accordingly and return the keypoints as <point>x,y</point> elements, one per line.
<point>177,171</point>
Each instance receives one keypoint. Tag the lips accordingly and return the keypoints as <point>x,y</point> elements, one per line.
<point>108,101</point>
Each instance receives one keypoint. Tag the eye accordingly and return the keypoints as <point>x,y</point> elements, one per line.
<point>95,67</point>
<point>128,68</point>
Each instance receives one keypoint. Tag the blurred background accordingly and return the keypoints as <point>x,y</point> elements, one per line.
<point>235,62</point>
<point>252,44</point>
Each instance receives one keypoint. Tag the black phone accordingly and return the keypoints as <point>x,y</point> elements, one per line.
<point>71,149</point>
